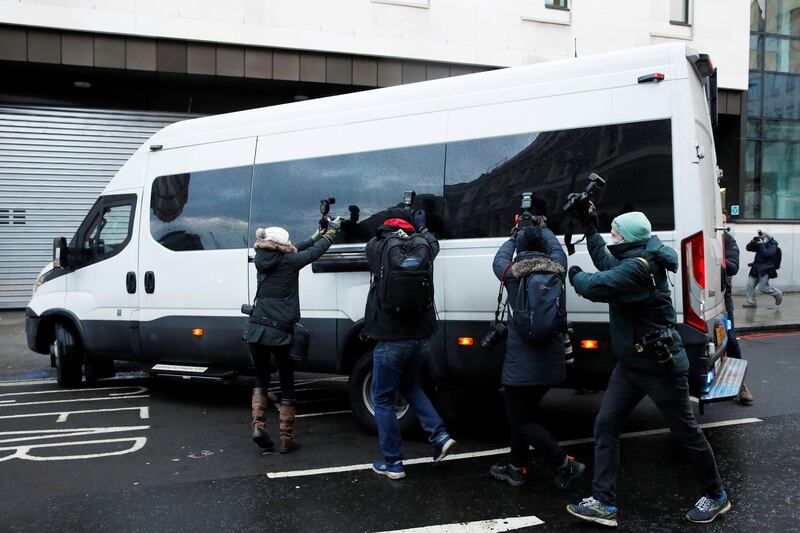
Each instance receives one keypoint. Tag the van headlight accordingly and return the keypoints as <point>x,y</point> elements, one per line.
<point>37,284</point>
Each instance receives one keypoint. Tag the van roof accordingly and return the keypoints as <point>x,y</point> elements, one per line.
<point>430,96</point>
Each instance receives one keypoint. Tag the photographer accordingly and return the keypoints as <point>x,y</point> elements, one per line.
<point>269,330</point>
<point>633,280</point>
<point>730,266</point>
<point>530,369</point>
<point>764,267</point>
<point>401,317</point>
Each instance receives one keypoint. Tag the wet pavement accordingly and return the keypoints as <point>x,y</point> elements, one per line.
<point>136,454</point>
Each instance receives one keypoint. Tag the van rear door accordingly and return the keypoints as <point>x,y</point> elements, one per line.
<point>193,253</point>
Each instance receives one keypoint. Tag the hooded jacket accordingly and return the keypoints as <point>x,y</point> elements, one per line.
<point>382,325</point>
<point>731,266</point>
<point>766,258</point>
<point>636,308</point>
<point>526,364</point>
<point>278,266</point>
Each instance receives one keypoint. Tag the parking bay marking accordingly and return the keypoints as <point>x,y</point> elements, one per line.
<point>482,526</point>
<point>496,451</point>
<point>144,412</point>
<point>132,392</point>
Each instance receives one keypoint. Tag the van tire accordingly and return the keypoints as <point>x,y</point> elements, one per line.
<point>360,391</point>
<point>68,357</point>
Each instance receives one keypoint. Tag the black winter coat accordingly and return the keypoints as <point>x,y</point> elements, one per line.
<point>526,364</point>
<point>635,307</point>
<point>731,266</point>
<point>382,325</point>
<point>766,257</point>
<point>278,298</point>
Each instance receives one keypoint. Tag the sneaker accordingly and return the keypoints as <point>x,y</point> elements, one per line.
<point>779,299</point>
<point>505,472</point>
<point>706,509</point>
<point>569,473</point>
<point>748,305</point>
<point>442,448</point>
<point>390,470</point>
<point>745,397</point>
<point>592,510</point>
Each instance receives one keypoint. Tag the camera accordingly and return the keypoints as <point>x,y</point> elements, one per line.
<point>408,198</point>
<point>658,344</point>
<point>497,330</point>
<point>578,202</point>
<point>526,217</point>
<point>324,209</point>
<point>247,309</point>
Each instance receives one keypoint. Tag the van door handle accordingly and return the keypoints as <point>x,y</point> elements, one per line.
<point>149,282</point>
<point>130,282</point>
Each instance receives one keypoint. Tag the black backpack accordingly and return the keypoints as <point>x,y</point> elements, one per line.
<point>405,281</point>
<point>537,311</point>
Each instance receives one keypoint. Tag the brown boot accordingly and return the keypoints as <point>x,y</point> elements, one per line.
<point>260,436</point>
<point>287,412</point>
<point>745,396</point>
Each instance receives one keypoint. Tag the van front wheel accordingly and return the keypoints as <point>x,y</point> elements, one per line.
<point>360,389</point>
<point>67,354</point>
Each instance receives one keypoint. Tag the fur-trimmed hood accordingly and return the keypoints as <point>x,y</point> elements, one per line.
<point>285,248</point>
<point>539,263</point>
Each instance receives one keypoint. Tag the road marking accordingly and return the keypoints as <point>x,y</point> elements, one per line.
<point>75,400</point>
<point>482,526</point>
<point>137,390</point>
<point>492,452</point>
<point>23,452</point>
<point>309,415</point>
<point>39,434</point>
<point>19,383</point>
<point>144,412</point>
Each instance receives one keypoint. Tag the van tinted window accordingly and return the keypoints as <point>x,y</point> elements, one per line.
<point>201,210</point>
<point>288,194</point>
<point>485,177</point>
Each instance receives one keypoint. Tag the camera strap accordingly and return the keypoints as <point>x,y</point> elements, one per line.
<point>568,239</point>
<point>500,312</point>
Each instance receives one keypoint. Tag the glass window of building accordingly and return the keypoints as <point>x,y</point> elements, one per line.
<point>783,17</point>
<point>679,11</point>
<point>556,4</point>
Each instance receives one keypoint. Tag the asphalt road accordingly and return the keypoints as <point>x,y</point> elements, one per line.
<point>136,454</point>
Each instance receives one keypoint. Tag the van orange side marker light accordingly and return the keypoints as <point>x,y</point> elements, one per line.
<point>197,332</point>
<point>466,341</point>
<point>590,344</point>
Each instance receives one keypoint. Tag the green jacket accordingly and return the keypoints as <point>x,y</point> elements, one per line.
<point>635,306</point>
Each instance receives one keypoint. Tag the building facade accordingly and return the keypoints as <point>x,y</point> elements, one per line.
<point>84,82</point>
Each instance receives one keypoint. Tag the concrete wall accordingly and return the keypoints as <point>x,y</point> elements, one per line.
<point>479,32</point>
<point>788,237</point>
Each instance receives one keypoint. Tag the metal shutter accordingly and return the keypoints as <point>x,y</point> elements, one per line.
<point>54,163</point>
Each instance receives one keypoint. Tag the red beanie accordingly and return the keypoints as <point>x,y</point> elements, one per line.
<point>399,223</point>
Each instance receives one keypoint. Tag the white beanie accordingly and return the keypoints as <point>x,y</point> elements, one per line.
<point>274,234</point>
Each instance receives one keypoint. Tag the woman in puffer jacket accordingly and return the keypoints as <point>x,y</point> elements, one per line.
<point>269,331</point>
<point>529,370</point>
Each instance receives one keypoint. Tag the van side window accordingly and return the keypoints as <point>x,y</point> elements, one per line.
<point>288,193</point>
<point>108,231</point>
<point>204,210</point>
<point>485,177</point>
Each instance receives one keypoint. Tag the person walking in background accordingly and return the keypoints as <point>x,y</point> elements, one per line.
<point>764,267</point>
<point>530,369</point>
<point>730,266</point>
<point>269,330</point>
<point>400,315</point>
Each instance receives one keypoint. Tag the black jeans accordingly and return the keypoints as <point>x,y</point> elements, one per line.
<point>261,358</point>
<point>521,405</point>
<point>670,393</point>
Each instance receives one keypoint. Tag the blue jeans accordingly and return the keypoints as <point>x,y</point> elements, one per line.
<point>395,365</point>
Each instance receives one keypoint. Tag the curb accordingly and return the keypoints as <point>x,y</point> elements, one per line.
<point>769,328</point>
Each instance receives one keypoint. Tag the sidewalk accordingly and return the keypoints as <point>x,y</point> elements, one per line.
<point>767,316</point>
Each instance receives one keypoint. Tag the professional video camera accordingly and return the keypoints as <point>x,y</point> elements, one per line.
<point>658,344</point>
<point>578,202</point>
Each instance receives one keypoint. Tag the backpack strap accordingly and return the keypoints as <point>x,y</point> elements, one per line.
<point>649,270</point>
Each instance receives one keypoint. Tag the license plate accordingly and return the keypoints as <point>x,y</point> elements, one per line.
<point>720,330</point>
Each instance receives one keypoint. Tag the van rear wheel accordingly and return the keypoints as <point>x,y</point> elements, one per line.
<point>360,390</point>
<point>68,357</point>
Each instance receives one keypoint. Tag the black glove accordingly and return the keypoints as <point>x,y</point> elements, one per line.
<point>420,220</point>
<point>573,271</point>
<point>591,222</point>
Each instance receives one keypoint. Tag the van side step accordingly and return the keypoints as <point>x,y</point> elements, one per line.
<point>190,372</point>
<point>729,375</point>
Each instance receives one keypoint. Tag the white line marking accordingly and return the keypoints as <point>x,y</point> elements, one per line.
<point>19,383</point>
<point>39,434</point>
<point>497,525</point>
<point>137,390</point>
<point>495,451</point>
<point>144,412</point>
<point>22,451</point>
<point>77,400</point>
<point>309,415</point>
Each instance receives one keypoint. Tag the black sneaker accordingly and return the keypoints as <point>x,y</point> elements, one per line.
<point>505,472</point>
<point>706,509</point>
<point>592,510</point>
<point>569,474</point>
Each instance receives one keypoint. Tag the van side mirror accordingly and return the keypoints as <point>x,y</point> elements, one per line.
<point>60,253</point>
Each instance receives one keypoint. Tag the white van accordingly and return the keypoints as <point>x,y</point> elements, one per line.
<point>158,270</point>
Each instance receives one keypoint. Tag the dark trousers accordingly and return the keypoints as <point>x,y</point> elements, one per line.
<point>261,359</point>
<point>733,341</point>
<point>670,393</point>
<point>521,407</point>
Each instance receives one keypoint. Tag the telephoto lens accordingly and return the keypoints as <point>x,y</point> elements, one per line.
<point>568,358</point>
<point>497,330</point>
